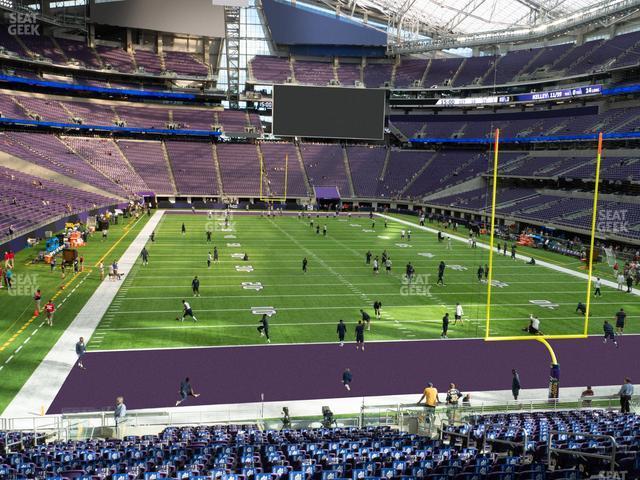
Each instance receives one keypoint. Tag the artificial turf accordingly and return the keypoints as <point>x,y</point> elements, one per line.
<point>338,283</point>
<point>23,341</point>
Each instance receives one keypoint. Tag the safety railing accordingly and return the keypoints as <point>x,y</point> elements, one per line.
<point>611,458</point>
<point>404,416</point>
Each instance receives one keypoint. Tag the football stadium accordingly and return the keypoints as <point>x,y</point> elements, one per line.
<point>319,239</point>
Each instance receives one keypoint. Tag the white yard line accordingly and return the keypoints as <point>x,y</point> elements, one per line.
<point>525,258</point>
<point>47,379</point>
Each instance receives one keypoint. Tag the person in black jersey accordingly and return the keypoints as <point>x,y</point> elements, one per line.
<point>377,306</point>
<point>215,255</point>
<point>360,335</point>
<point>304,264</point>
<point>480,273</point>
<point>195,286</point>
<point>368,256</point>
<point>366,319</point>
<point>341,330</point>
<point>263,329</point>
<point>208,235</point>
<point>445,326</point>
<point>183,229</point>
<point>441,268</point>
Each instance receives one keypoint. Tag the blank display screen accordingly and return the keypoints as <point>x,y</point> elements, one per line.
<point>328,112</point>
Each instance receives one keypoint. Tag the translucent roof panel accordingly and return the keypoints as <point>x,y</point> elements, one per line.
<point>473,16</point>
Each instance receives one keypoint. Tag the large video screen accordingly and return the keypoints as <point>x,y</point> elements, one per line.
<point>328,112</point>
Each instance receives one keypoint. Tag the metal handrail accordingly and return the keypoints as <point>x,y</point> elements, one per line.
<point>611,458</point>
<point>446,424</point>
<point>524,443</point>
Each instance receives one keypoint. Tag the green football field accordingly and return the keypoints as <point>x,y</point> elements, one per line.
<point>308,306</point>
<point>337,285</point>
<point>23,341</point>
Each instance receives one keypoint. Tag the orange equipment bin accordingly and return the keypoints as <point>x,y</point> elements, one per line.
<point>75,239</point>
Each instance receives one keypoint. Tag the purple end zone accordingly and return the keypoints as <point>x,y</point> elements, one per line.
<point>150,378</point>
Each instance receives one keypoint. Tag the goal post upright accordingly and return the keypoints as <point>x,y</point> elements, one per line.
<point>543,339</point>
<point>491,233</point>
<point>594,220</point>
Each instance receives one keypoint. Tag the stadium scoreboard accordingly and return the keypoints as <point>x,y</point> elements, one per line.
<point>329,112</point>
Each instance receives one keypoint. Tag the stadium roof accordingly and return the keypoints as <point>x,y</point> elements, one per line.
<point>444,19</point>
<point>472,16</point>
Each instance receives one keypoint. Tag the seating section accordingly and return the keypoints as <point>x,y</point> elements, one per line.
<point>277,156</point>
<point>510,429</point>
<point>366,165</point>
<point>529,124</point>
<point>149,61</point>
<point>105,156</point>
<point>270,69</point>
<point>185,63</point>
<point>240,169</point>
<point>349,73</point>
<point>28,201</point>
<point>402,168</point>
<point>232,121</point>
<point>246,452</point>
<point>80,52</point>
<point>325,166</point>
<point>516,65</point>
<point>49,152</point>
<point>193,167</point>
<point>313,73</point>
<point>63,50</point>
<point>148,159</point>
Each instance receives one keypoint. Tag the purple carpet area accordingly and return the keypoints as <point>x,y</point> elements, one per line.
<point>150,378</point>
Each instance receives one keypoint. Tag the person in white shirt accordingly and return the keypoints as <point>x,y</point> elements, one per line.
<point>449,243</point>
<point>458,314</point>
<point>621,281</point>
<point>402,234</point>
<point>534,326</point>
<point>597,285</point>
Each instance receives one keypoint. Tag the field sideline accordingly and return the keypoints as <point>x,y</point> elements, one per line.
<point>337,285</point>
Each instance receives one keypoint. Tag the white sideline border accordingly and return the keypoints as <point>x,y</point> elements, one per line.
<point>45,382</point>
<point>542,263</point>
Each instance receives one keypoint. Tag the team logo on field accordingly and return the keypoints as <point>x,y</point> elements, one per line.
<point>403,245</point>
<point>545,304</point>
<point>459,268</point>
<point>229,236</point>
<point>354,224</point>
<point>499,284</point>
<point>384,237</point>
<point>426,254</point>
<point>257,286</point>
<point>226,229</point>
<point>367,230</point>
<point>268,311</point>
<point>233,245</point>
<point>244,268</point>
<point>237,255</point>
